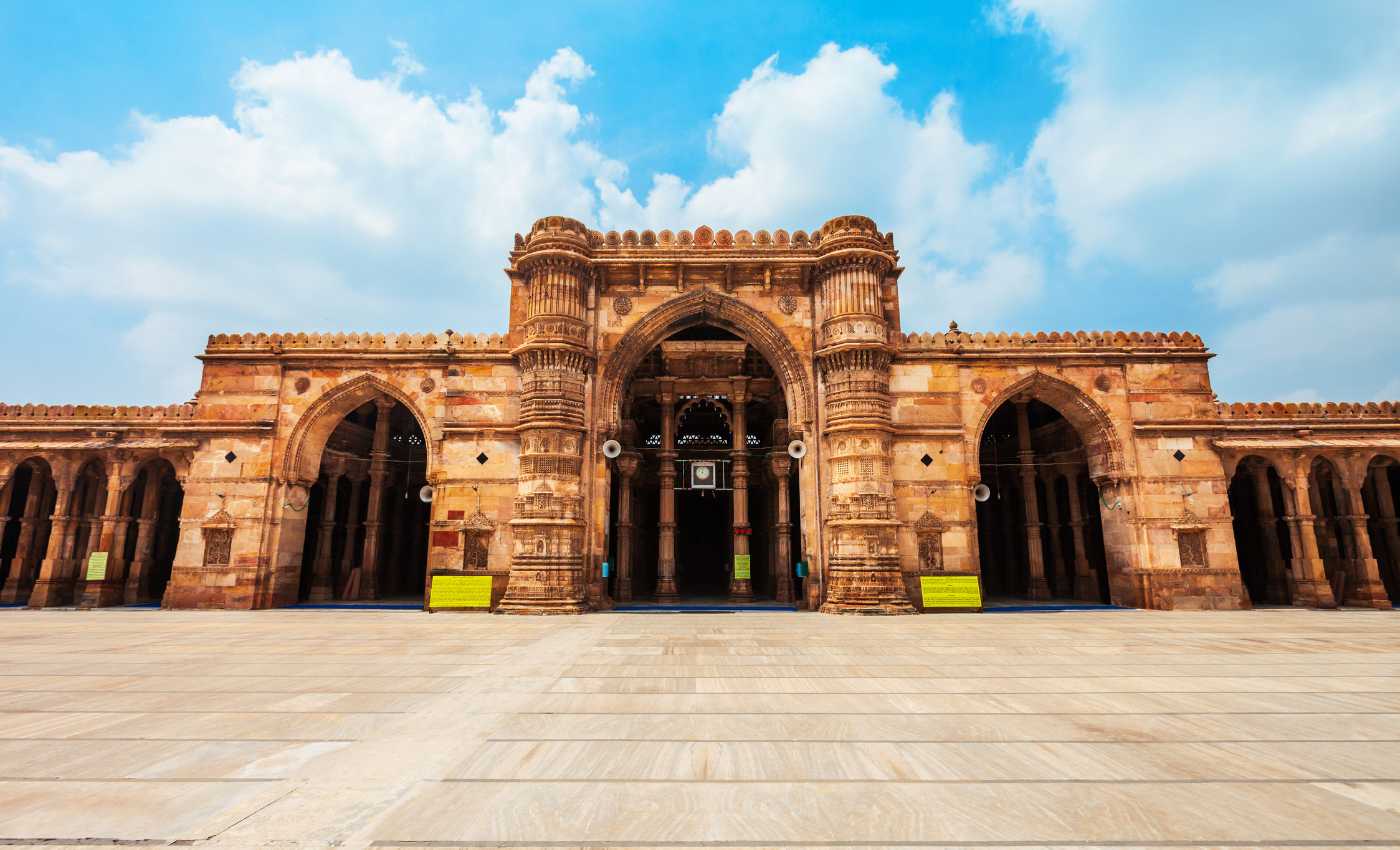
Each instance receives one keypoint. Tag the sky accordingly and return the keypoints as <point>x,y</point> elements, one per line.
<point>171,170</point>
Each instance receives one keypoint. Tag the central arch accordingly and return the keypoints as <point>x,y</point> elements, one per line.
<point>706,307</point>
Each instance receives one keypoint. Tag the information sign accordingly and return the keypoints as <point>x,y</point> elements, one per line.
<point>741,566</point>
<point>951,591</point>
<point>460,592</point>
<point>97,566</point>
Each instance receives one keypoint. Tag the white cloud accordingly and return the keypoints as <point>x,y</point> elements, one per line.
<point>1250,150</point>
<point>830,140</point>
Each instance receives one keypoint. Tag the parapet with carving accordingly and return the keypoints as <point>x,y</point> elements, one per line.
<point>956,340</point>
<point>97,411</point>
<point>552,230</point>
<point>353,342</point>
<point>1309,410</point>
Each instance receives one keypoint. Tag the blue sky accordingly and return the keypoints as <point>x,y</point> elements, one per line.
<point>172,169</point>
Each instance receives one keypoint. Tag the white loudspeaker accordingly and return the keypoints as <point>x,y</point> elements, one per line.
<point>797,449</point>
<point>981,492</point>
<point>425,493</point>
<point>611,448</point>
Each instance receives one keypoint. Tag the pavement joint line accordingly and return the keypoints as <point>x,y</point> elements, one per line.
<point>648,780</point>
<point>857,845</point>
<point>971,741</point>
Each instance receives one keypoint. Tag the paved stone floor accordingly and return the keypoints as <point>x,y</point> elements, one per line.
<point>401,729</point>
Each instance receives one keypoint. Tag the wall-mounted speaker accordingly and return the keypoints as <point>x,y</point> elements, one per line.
<point>981,492</point>
<point>797,450</point>
<point>426,493</point>
<point>611,449</point>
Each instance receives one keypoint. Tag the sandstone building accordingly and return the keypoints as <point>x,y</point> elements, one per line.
<point>1114,474</point>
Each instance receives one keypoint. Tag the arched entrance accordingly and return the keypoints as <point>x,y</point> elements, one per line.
<point>153,504</point>
<point>703,501</point>
<point>1258,506</point>
<point>1379,496</point>
<point>27,516</point>
<point>1040,533</point>
<point>366,527</point>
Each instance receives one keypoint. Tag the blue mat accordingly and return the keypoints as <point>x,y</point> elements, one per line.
<point>1031,609</point>
<point>698,609</point>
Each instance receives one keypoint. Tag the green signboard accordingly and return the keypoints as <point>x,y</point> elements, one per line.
<point>97,566</point>
<point>741,566</point>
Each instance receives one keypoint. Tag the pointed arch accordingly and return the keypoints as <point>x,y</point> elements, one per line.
<point>302,459</point>
<point>1102,445</point>
<point>699,307</point>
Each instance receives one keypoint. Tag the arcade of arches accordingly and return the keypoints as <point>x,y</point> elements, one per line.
<point>293,476</point>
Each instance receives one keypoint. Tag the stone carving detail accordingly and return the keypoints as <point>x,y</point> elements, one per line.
<point>787,304</point>
<point>218,539</point>
<point>622,305</point>
<point>427,385</point>
<point>302,384</point>
<point>477,532</point>
<point>928,531</point>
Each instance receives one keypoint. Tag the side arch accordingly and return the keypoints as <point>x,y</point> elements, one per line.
<point>301,461</point>
<point>1102,445</point>
<point>706,307</point>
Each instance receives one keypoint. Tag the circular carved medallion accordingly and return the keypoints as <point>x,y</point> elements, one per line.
<point>979,385</point>
<point>302,384</point>
<point>1101,383</point>
<point>622,305</point>
<point>427,385</point>
<point>787,304</point>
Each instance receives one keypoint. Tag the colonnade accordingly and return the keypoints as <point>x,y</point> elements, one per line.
<point>74,506</point>
<point>1322,553</point>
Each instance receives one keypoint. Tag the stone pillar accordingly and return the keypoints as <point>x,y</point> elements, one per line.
<point>553,267</point>
<point>347,555</point>
<point>374,510</point>
<point>109,591</point>
<point>627,465</point>
<point>666,518</point>
<point>1276,582</point>
<point>51,587</point>
<point>1365,588</point>
<point>1057,577</point>
<point>23,561</point>
<point>862,574</point>
<point>740,590</point>
<point>322,579</point>
<point>7,491</point>
<point>401,505</point>
<point>780,465</point>
<point>1037,587</point>
<point>1385,514</point>
<point>1309,572</point>
<point>1086,589</point>
<point>136,575</point>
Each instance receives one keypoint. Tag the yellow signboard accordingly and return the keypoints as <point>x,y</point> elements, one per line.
<point>742,565</point>
<point>460,592</point>
<point>97,566</point>
<point>951,591</point>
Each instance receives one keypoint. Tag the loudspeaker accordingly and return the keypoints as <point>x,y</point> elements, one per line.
<point>981,492</point>
<point>611,448</point>
<point>797,450</point>
<point>425,493</point>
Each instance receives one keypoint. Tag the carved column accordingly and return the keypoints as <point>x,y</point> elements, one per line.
<point>136,574</point>
<point>627,465</point>
<point>322,578</point>
<point>780,465</point>
<point>108,590</point>
<point>1037,587</point>
<point>547,564</point>
<point>740,589</point>
<point>1366,587</point>
<point>1276,586</point>
<point>1309,572</point>
<point>347,555</point>
<point>1086,589</point>
<point>862,570</point>
<point>666,471</point>
<point>1062,583</point>
<point>374,511</point>
<point>51,587</point>
<point>22,562</point>
<point>1385,514</point>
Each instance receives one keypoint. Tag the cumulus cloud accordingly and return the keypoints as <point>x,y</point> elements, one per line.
<point>830,139</point>
<point>1248,150</point>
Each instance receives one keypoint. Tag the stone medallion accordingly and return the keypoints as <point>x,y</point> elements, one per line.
<point>787,304</point>
<point>622,305</point>
<point>979,386</point>
<point>302,384</point>
<point>427,385</point>
<point>1102,384</point>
